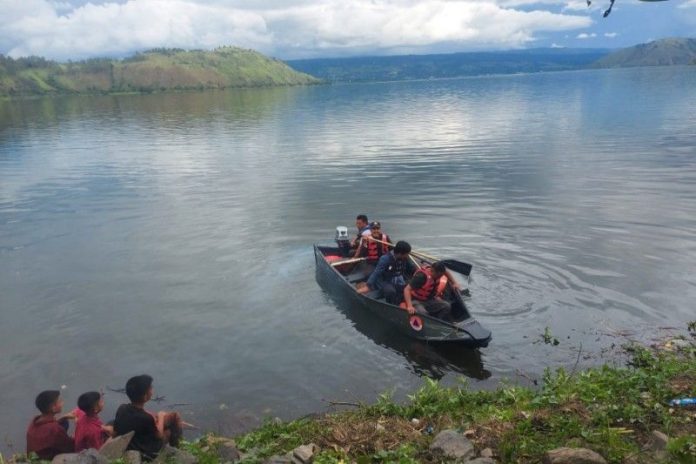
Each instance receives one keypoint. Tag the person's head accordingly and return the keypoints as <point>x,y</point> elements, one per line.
<point>49,402</point>
<point>402,249</point>
<point>91,403</point>
<point>361,221</point>
<point>139,388</point>
<point>438,269</point>
<point>376,228</point>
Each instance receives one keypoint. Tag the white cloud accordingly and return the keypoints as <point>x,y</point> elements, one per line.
<point>555,45</point>
<point>688,4</point>
<point>287,28</point>
<point>585,35</point>
<point>611,35</point>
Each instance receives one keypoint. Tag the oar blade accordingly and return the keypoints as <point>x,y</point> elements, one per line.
<point>458,266</point>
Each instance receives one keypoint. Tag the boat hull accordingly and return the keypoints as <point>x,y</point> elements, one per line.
<point>467,332</point>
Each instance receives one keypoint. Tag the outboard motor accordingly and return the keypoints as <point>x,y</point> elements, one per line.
<point>342,240</point>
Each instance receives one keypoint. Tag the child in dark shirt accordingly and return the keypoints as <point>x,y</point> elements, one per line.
<point>46,435</point>
<point>152,431</point>
<point>90,432</point>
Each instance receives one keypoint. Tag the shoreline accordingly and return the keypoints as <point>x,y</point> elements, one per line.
<point>619,413</point>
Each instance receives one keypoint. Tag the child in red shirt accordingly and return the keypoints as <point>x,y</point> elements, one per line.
<point>89,430</point>
<point>46,436</point>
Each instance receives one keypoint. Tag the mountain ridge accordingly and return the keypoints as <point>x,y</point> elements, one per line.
<point>151,71</point>
<point>663,52</point>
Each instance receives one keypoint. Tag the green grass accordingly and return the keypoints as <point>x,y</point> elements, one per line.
<point>611,410</point>
<point>607,409</point>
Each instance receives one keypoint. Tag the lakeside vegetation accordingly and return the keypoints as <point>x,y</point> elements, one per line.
<point>162,70</point>
<point>611,410</point>
<point>156,70</point>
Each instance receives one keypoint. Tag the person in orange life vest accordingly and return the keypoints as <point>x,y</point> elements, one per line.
<point>363,226</point>
<point>46,435</point>
<point>90,432</point>
<point>371,249</point>
<point>426,287</point>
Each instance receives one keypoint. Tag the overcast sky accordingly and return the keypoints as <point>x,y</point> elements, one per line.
<point>287,29</point>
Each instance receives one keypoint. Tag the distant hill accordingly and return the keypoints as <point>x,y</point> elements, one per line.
<point>662,52</point>
<point>155,70</point>
<point>389,68</point>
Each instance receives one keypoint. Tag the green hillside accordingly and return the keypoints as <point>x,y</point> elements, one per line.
<point>152,71</point>
<point>664,52</point>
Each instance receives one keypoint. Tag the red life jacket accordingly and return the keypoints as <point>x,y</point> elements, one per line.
<point>376,249</point>
<point>431,288</point>
<point>427,291</point>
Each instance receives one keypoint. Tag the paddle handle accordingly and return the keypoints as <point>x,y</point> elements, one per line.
<point>413,252</point>
<point>347,261</point>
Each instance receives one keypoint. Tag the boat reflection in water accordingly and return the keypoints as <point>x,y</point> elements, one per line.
<point>428,359</point>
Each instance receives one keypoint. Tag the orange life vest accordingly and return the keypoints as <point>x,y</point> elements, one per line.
<point>427,290</point>
<point>376,249</point>
<point>430,288</point>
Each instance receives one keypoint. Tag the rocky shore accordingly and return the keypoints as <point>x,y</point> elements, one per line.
<point>607,414</point>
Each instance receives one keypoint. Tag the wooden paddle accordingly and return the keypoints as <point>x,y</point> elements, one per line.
<point>347,261</point>
<point>459,267</point>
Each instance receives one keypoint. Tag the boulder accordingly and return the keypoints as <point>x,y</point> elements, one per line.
<point>169,454</point>
<point>453,445</point>
<point>304,454</point>
<point>680,343</point>
<point>89,456</point>
<point>487,453</point>
<point>114,448</point>
<point>132,457</point>
<point>572,456</point>
<point>658,441</point>
<point>227,451</point>
<point>280,459</point>
<point>482,461</point>
<point>658,445</point>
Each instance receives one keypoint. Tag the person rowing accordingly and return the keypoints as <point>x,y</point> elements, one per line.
<point>373,246</point>
<point>363,226</point>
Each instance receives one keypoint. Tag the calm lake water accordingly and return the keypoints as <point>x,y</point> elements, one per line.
<point>172,234</point>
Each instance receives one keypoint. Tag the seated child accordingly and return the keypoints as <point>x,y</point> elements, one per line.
<point>89,430</point>
<point>152,431</point>
<point>46,435</point>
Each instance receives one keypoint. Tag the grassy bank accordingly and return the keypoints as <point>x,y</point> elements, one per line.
<point>607,409</point>
<point>611,410</point>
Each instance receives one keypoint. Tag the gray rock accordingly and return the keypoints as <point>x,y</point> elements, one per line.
<point>89,456</point>
<point>681,343</point>
<point>482,461</point>
<point>658,441</point>
<point>453,445</point>
<point>658,445</point>
<point>227,451</point>
<point>171,454</point>
<point>279,459</point>
<point>304,454</point>
<point>114,448</point>
<point>487,453</point>
<point>132,457</point>
<point>572,456</point>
